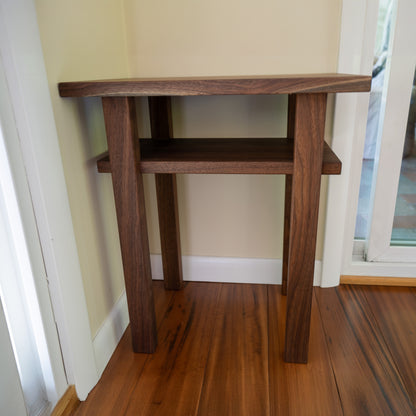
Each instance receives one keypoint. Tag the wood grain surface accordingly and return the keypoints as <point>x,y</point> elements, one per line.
<point>247,85</point>
<point>299,390</point>
<point>172,377</point>
<point>377,280</point>
<point>119,380</point>
<point>396,316</point>
<point>67,404</point>
<point>167,201</point>
<point>361,356</point>
<point>121,129</point>
<point>367,377</point>
<point>291,110</point>
<point>309,129</point>
<point>286,233</point>
<point>236,379</point>
<point>257,156</point>
<point>302,158</point>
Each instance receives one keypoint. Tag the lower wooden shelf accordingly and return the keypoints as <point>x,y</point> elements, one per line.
<point>222,156</point>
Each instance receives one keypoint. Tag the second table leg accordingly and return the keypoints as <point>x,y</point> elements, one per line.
<point>161,125</point>
<point>124,150</point>
<point>309,126</point>
<point>291,111</point>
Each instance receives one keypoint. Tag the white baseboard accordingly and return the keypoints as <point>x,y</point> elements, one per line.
<point>230,270</point>
<point>224,269</point>
<point>196,269</point>
<point>109,335</point>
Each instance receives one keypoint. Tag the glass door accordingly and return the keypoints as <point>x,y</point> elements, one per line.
<point>386,218</point>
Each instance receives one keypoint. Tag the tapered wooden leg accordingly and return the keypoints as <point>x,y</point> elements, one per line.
<point>291,110</point>
<point>161,125</point>
<point>308,149</point>
<point>124,150</point>
<point>286,233</point>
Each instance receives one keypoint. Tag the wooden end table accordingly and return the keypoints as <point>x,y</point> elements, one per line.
<point>302,156</point>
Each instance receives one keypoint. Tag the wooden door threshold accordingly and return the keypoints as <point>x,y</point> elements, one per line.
<point>67,404</point>
<point>377,281</point>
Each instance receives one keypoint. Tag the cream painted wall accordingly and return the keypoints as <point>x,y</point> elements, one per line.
<point>191,37</point>
<point>86,40</point>
<point>238,216</point>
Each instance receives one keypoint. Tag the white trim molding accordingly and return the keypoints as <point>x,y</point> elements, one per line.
<point>399,74</point>
<point>387,269</point>
<point>358,28</point>
<point>22,58</point>
<point>110,333</point>
<point>230,270</point>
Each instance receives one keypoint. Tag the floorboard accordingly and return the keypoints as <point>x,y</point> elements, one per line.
<point>171,381</point>
<point>220,353</point>
<point>367,378</point>
<point>236,380</point>
<point>314,382</point>
<point>112,394</point>
<point>395,312</point>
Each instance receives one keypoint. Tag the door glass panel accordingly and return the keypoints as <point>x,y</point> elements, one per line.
<point>404,223</point>
<point>373,132</point>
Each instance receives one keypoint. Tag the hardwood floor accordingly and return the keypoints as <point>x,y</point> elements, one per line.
<point>221,347</point>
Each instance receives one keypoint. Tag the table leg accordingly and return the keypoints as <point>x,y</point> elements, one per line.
<point>124,150</point>
<point>291,110</point>
<point>309,128</point>
<point>161,125</point>
<point>286,233</point>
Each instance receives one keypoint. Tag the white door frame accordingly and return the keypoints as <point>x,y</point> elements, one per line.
<point>396,99</point>
<point>22,59</point>
<point>19,270</point>
<point>358,29</point>
<point>12,401</point>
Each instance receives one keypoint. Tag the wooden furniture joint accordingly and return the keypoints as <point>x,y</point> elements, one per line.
<point>303,157</point>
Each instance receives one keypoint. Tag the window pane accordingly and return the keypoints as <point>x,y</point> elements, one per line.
<point>404,224</point>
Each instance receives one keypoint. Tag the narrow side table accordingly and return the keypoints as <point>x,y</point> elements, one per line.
<point>302,156</point>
